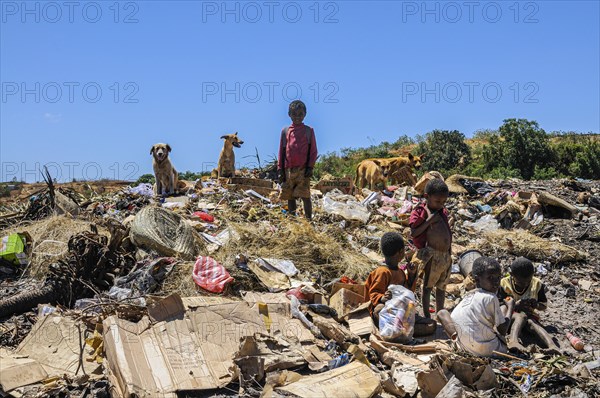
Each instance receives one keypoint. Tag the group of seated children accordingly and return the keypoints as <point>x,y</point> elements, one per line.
<point>430,230</point>
<point>481,320</point>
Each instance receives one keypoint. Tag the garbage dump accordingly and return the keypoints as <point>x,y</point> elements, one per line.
<point>109,290</point>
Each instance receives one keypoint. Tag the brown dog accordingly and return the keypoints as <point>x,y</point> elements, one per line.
<point>401,169</point>
<point>376,171</point>
<point>164,172</point>
<point>403,176</point>
<point>226,165</point>
<point>372,172</point>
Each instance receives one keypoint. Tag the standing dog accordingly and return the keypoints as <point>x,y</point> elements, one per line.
<point>226,165</point>
<point>371,172</point>
<point>165,173</point>
<point>401,169</point>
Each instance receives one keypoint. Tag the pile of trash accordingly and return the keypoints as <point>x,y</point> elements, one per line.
<point>221,291</point>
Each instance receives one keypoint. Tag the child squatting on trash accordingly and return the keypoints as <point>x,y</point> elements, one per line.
<point>392,247</point>
<point>431,234</point>
<point>529,294</point>
<point>297,157</point>
<point>471,324</point>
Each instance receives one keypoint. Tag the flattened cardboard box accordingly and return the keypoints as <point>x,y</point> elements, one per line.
<point>354,380</point>
<point>50,349</point>
<point>279,316</point>
<point>191,352</point>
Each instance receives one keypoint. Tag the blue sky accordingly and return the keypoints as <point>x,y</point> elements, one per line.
<point>90,87</point>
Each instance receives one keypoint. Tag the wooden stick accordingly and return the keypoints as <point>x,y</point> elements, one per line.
<point>501,354</point>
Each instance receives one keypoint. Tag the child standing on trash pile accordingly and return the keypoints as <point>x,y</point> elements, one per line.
<point>471,324</point>
<point>392,247</point>
<point>528,294</point>
<point>431,235</point>
<point>297,157</point>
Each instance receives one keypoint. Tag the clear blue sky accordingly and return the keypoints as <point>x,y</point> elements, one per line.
<point>368,63</point>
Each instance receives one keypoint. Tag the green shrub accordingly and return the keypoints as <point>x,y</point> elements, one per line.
<point>577,155</point>
<point>521,144</point>
<point>445,151</point>
<point>145,179</point>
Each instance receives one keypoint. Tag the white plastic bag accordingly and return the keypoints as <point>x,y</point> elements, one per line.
<point>397,318</point>
<point>349,210</point>
<point>486,223</point>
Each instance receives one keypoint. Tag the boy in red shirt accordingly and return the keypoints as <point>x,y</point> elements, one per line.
<point>431,234</point>
<point>297,157</point>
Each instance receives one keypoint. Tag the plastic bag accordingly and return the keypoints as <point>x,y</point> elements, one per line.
<point>349,210</point>
<point>397,318</point>
<point>204,216</point>
<point>210,275</point>
<point>486,223</point>
<point>144,189</point>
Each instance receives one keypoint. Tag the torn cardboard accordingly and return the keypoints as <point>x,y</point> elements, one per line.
<point>353,380</point>
<point>278,316</point>
<point>360,321</point>
<point>274,353</point>
<point>357,288</point>
<point>50,349</point>
<point>344,301</point>
<point>275,281</point>
<point>190,353</point>
<point>18,371</point>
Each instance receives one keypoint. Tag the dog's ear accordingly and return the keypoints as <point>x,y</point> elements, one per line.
<point>152,150</point>
<point>168,148</point>
<point>224,137</point>
<point>410,156</point>
<point>377,162</point>
<point>421,156</point>
<point>235,134</point>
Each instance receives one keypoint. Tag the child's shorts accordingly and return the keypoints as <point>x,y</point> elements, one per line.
<point>295,185</point>
<point>439,272</point>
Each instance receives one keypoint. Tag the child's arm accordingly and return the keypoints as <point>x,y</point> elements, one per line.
<point>542,302</point>
<point>503,328</point>
<point>378,288</point>
<point>420,230</point>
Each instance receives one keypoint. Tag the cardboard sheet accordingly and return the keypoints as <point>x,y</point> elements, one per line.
<point>50,349</point>
<point>279,316</point>
<point>354,380</point>
<point>193,352</point>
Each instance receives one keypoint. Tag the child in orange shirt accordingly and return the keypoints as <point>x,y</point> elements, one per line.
<point>392,247</point>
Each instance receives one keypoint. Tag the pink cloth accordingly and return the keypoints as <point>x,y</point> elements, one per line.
<point>210,275</point>
<point>297,148</point>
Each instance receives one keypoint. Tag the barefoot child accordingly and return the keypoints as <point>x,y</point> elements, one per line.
<point>392,247</point>
<point>297,157</point>
<point>529,294</point>
<point>430,231</point>
<point>472,322</point>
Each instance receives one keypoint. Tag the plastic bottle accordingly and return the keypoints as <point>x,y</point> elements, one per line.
<point>575,342</point>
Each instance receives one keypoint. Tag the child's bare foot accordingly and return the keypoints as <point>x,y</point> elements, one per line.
<point>516,346</point>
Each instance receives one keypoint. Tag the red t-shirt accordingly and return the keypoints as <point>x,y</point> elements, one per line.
<point>418,216</point>
<point>297,148</point>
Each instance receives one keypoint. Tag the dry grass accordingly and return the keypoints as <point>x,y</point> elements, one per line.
<point>317,254</point>
<point>523,243</point>
<point>50,238</point>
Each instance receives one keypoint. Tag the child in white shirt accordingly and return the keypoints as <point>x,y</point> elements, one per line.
<point>472,322</point>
